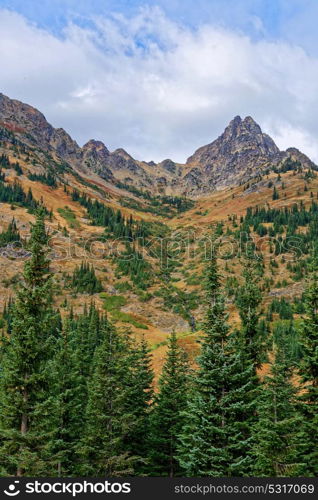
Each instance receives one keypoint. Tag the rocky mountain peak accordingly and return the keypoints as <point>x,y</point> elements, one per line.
<point>121,152</point>
<point>240,152</point>
<point>35,130</point>
<point>241,137</point>
<point>95,149</point>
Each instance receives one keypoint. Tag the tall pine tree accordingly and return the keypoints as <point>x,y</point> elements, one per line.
<point>28,415</point>
<point>248,301</point>
<point>102,449</point>
<point>309,375</point>
<point>139,395</point>
<point>275,433</point>
<point>214,440</point>
<point>167,418</point>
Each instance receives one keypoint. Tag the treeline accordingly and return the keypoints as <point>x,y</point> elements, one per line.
<point>48,178</point>
<point>116,224</point>
<point>77,395</point>
<point>84,279</point>
<point>5,163</point>
<point>179,203</point>
<point>285,227</point>
<point>13,193</point>
<point>293,217</point>
<point>10,235</point>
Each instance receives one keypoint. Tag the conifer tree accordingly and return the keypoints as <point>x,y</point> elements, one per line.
<point>102,449</point>
<point>248,301</point>
<point>275,433</point>
<point>139,380</point>
<point>167,418</point>
<point>28,416</point>
<point>71,401</point>
<point>309,375</point>
<point>84,279</point>
<point>214,440</point>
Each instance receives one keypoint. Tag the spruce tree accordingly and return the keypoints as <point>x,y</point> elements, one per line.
<point>215,440</point>
<point>309,376</point>
<point>139,394</point>
<point>275,433</point>
<point>28,409</point>
<point>248,301</point>
<point>71,401</point>
<point>102,449</point>
<point>167,417</point>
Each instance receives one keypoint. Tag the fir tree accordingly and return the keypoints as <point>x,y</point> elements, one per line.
<point>68,391</point>
<point>102,450</point>
<point>275,195</point>
<point>309,376</point>
<point>28,408</point>
<point>10,235</point>
<point>275,433</point>
<point>167,418</point>
<point>85,281</point>
<point>138,402</point>
<point>215,438</point>
<point>248,301</point>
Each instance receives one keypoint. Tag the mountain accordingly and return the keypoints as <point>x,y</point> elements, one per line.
<point>94,197</point>
<point>242,152</point>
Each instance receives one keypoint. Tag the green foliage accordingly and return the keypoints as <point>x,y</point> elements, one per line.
<point>275,194</point>
<point>282,307</point>
<point>72,370</point>
<point>309,374</point>
<point>113,303</point>
<point>84,279</point>
<point>128,318</point>
<point>132,263</point>
<point>118,398</point>
<point>28,416</point>
<point>215,438</point>
<point>166,206</point>
<point>248,300</point>
<point>4,161</point>
<point>114,222</point>
<point>13,193</point>
<point>167,418</point>
<point>138,403</point>
<point>68,214</point>
<point>48,178</point>
<point>285,220</point>
<point>10,235</point>
<point>286,336</point>
<point>275,433</point>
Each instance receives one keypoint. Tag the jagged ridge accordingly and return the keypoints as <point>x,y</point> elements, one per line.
<point>241,152</point>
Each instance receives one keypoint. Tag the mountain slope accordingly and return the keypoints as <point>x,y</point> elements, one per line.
<point>153,299</point>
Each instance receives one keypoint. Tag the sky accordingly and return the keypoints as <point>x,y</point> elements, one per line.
<point>162,78</point>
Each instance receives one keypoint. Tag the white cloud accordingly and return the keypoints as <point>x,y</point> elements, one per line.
<point>156,88</point>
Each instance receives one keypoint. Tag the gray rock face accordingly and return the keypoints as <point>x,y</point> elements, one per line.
<point>241,152</point>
